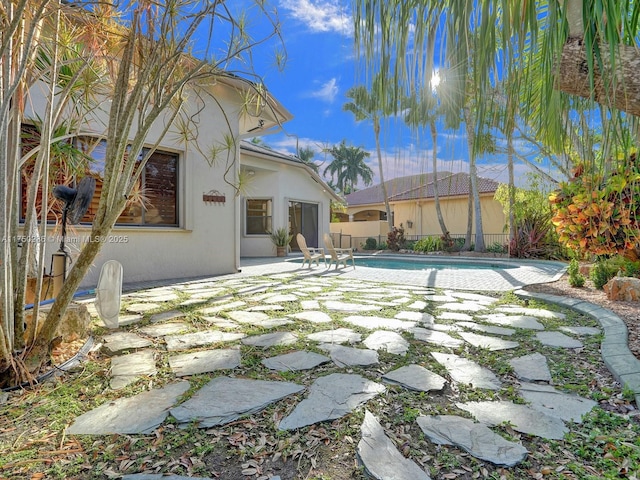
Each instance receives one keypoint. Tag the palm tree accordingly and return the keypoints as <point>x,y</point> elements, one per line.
<point>423,110</point>
<point>348,166</point>
<point>367,105</point>
<point>555,54</point>
<point>306,155</point>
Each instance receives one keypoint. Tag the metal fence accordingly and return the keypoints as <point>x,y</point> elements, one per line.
<point>491,240</point>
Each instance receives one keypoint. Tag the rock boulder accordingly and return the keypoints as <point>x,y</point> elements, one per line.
<point>623,288</point>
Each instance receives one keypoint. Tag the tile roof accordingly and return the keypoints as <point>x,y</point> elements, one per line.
<point>420,186</point>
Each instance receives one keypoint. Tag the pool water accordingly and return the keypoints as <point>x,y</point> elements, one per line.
<point>425,264</point>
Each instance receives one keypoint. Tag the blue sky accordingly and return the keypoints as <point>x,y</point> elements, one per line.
<point>321,67</point>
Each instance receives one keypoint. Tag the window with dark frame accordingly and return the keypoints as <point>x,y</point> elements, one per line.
<point>154,199</point>
<point>258,216</point>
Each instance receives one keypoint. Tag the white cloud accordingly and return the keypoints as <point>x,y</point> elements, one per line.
<point>321,15</point>
<point>327,91</point>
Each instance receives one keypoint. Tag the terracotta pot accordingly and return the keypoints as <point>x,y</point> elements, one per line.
<point>281,251</point>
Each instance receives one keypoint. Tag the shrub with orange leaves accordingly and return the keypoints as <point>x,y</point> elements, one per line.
<point>599,214</point>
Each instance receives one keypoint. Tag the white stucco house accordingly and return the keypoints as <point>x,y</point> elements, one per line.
<point>281,191</point>
<point>195,221</point>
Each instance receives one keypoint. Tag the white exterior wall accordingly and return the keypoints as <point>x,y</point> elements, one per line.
<point>282,183</point>
<point>207,238</point>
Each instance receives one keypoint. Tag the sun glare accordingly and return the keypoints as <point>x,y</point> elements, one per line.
<point>435,80</point>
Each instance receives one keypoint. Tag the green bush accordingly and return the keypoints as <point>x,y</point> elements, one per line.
<point>497,247</point>
<point>370,244</point>
<point>428,244</point>
<point>626,267</point>
<point>576,279</point>
<point>602,272</point>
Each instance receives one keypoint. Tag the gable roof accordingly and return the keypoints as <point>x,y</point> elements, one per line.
<point>278,157</point>
<point>414,187</point>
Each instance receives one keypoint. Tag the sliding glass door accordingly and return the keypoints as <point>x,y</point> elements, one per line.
<point>303,218</point>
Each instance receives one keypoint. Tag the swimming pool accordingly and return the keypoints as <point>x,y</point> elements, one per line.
<point>421,263</point>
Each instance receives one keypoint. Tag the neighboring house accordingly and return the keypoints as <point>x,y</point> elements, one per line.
<point>413,206</point>
<point>280,191</point>
<point>193,220</point>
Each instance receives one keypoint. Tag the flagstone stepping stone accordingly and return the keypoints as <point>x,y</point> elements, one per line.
<point>312,316</point>
<point>118,342</point>
<point>125,320</point>
<point>165,297</point>
<point>534,312</point>
<point>247,317</point>
<point>294,361</point>
<point>391,342</point>
<point>310,304</point>
<point>440,327</point>
<point>248,291</point>
<point>463,370</point>
<point>475,438</point>
<point>581,330</point>
<point>198,339</point>
<point>140,414</point>
<point>271,339</point>
<point>265,308</point>
<point>330,397</point>
<point>373,323</point>
<point>222,308</point>
<point>490,343</point>
<point>207,293</point>
<point>142,307</point>
<point>515,321</point>
<point>435,337</point>
<point>558,339</point>
<point>424,318</point>
<point>487,328</point>
<point>226,399</point>
<point>205,361</point>
<point>475,297</point>
<point>161,329</point>
<point>380,457</point>
<point>221,322</point>
<point>415,377</point>
<point>463,307</point>
<point>439,298</point>
<point>400,300</point>
<point>550,401</point>
<point>522,418</point>
<point>281,298</point>
<point>376,302</point>
<point>349,356</point>
<point>311,289</point>
<point>531,368</point>
<point>339,335</point>
<point>351,307</point>
<point>455,316</point>
<point>164,316</point>
<point>126,369</point>
<point>259,319</point>
<point>418,305</point>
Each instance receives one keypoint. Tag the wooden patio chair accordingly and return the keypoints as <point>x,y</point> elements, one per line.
<point>338,255</point>
<point>311,254</point>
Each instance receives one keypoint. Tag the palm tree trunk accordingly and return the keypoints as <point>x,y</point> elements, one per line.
<point>436,195</point>
<point>622,93</point>
<point>376,128</point>
<point>474,195</point>
<point>512,191</point>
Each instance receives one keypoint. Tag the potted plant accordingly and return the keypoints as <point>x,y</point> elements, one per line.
<point>281,239</point>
